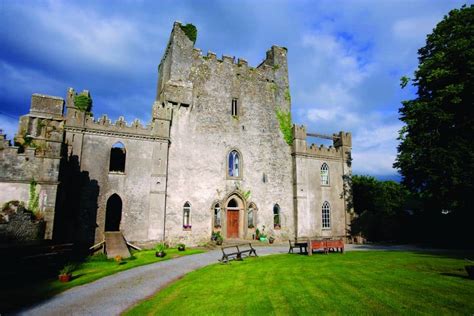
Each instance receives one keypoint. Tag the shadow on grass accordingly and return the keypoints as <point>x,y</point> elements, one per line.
<point>456,275</point>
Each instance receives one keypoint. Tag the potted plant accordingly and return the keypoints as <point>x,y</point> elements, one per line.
<point>65,274</point>
<point>160,250</point>
<point>257,234</point>
<point>271,240</point>
<point>218,238</point>
<point>181,247</point>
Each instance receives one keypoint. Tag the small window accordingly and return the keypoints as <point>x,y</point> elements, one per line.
<point>326,211</point>
<point>117,158</point>
<point>234,164</point>
<point>217,215</point>
<point>276,216</point>
<point>235,109</point>
<point>324,174</point>
<point>187,216</point>
<point>251,216</point>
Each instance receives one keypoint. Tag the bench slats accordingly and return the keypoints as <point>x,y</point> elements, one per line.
<point>226,256</point>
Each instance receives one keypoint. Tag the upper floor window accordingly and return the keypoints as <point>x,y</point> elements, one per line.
<point>276,216</point>
<point>234,164</point>
<point>187,216</point>
<point>325,174</point>
<point>235,109</point>
<point>117,157</point>
<point>326,211</point>
<point>217,215</point>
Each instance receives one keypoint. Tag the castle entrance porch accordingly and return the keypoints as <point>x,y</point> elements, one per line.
<point>113,214</point>
<point>233,210</point>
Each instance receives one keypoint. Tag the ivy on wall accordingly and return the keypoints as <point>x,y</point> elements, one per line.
<point>191,31</point>
<point>33,202</point>
<point>83,102</point>
<point>284,119</point>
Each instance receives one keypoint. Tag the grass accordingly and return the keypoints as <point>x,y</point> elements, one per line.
<point>354,283</point>
<point>18,292</point>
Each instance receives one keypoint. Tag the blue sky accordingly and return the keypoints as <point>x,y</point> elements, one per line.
<point>345,57</point>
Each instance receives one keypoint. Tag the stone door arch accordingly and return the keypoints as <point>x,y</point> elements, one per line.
<point>113,213</point>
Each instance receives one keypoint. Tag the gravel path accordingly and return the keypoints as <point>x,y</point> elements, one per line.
<point>114,294</point>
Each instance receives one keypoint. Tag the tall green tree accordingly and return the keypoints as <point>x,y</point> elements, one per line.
<point>436,153</point>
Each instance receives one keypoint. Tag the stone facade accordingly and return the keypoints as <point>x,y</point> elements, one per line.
<point>179,183</point>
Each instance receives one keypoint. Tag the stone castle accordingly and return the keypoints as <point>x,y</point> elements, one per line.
<point>219,154</point>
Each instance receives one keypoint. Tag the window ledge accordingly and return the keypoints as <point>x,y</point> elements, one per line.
<point>326,228</point>
<point>325,185</point>
<point>117,172</point>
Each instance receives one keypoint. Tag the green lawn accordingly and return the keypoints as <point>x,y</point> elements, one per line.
<point>353,283</point>
<point>19,292</point>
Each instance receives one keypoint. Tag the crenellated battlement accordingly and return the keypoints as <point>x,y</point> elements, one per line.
<point>339,140</point>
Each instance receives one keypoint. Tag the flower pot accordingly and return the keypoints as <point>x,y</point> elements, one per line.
<point>65,277</point>
<point>219,242</point>
<point>271,240</point>
<point>470,271</point>
<point>160,254</point>
<point>181,248</point>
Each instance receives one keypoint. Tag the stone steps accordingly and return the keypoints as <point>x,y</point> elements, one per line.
<point>115,245</point>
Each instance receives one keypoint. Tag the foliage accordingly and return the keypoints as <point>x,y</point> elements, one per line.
<point>83,102</point>
<point>404,81</point>
<point>33,202</point>
<point>287,95</point>
<point>436,153</point>
<point>217,236</point>
<point>68,268</point>
<point>191,31</point>
<point>180,245</point>
<point>276,67</point>
<point>356,283</point>
<point>160,247</point>
<point>247,194</point>
<point>381,207</point>
<point>286,126</point>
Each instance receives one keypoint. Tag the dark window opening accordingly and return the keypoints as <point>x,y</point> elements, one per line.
<point>185,105</point>
<point>117,158</point>
<point>113,213</point>
<point>276,216</point>
<point>235,110</point>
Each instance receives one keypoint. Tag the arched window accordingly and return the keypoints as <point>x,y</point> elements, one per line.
<point>276,216</point>
<point>326,211</point>
<point>217,215</point>
<point>325,174</point>
<point>234,164</point>
<point>251,216</point>
<point>117,158</point>
<point>187,216</point>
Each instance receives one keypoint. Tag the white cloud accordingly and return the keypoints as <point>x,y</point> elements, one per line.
<point>8,125</point>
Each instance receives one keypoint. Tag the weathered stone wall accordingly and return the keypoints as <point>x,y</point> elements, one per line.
<point>203,132</point>
<point>141,186</point>
<point>40,135</point>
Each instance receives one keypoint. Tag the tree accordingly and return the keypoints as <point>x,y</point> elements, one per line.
<point>381,209</point>
<point>436,153</point>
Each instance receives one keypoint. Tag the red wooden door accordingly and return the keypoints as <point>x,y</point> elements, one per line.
<point>232,224</point>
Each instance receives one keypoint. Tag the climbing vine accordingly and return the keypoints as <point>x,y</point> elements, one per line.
<point>33,202</point>
<point>284,118</point>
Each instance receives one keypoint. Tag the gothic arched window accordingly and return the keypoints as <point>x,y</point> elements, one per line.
<point>325,174</point>
<point>117,157</point>
<point>233,164</point>
<point>326,212</point>
<point>187,216</point>
<point>276,216</point>
<point>217,215</point>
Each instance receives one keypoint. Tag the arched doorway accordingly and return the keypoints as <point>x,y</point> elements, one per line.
<point>234,205</point>
<point>113,213</point>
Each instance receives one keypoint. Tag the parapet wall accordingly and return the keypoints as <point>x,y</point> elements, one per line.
<point>79,121</point>
<point>300,147</point>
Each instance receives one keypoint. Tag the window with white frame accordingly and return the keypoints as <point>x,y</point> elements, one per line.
<point>217,215</point>
<point>326,213</point>
<point>187,215</point>
<point>234,164</point>
<point>325,174</point>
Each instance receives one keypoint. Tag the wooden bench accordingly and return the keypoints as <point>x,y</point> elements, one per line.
<point>318,244</point>
<point>236,251</point>
<point>334,245</point>
<point>298,244</point>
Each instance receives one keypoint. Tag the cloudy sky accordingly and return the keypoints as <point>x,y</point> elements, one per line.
<point>345,57</point>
